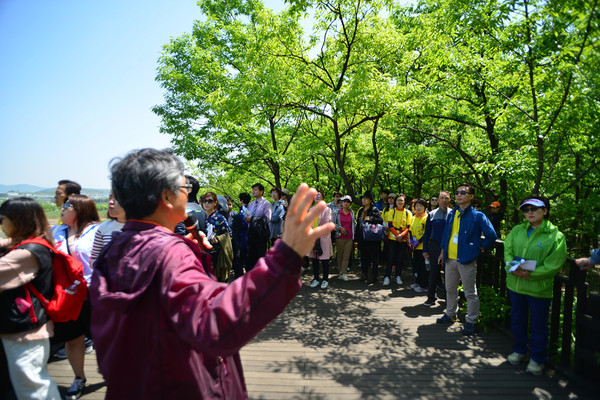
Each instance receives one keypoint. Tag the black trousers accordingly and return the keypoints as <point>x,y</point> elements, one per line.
<point>369,257</point>
<point>435,275</point>
<point>257,248</point>
<point>397,256</point>
<point>325,263</point>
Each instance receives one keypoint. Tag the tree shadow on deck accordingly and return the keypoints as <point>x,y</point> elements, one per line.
<point>365,344</point>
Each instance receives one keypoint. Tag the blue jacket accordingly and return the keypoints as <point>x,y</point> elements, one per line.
<point>473,224</point>
<point>595,256</point>
<point>434,230</point>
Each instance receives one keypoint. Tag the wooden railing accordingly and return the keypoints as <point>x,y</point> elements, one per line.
<point>574,342</point>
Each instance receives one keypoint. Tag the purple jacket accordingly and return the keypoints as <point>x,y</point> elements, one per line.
<point>165,329</point>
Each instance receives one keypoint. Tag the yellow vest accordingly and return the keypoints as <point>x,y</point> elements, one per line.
<point>453,242</point>
<point>400,220</point>
<point>417,228</point>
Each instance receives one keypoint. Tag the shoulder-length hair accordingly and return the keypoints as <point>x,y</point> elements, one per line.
<point>213,196</point>
<point>86,210</point>
<point>28,217</point>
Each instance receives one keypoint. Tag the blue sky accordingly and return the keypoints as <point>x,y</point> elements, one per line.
<point>77,84</point>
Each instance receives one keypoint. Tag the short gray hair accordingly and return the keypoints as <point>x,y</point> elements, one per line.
<point>139,179</point>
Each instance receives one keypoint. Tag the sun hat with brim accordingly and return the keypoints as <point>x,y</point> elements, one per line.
<point>533,202</point>
<point>346,197</point>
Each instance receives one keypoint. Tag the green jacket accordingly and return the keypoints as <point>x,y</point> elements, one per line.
<point>547,246</point>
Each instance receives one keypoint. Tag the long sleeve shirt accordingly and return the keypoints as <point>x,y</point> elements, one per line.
<point>260,208</point>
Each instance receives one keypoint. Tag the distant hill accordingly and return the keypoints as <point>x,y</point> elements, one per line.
<point>22,188</point>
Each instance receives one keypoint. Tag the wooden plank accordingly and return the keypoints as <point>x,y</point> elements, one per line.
<point>353,341</point>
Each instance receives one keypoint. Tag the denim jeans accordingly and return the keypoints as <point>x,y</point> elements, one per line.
<point>528,310</point>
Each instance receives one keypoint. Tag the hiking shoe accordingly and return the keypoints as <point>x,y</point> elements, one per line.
<point>61,354</point>
<point>386,281</point>
<point>446,320</point>
<point>534,368</point>
<point>314,283</point>
<point>344,277</point>
<point>516,358</point>
<point>324,284</point>
<point>429,303</point>
<point>398,281</point>
<point>468,329</point>
<point>89,346</point>
<point>76,389</point>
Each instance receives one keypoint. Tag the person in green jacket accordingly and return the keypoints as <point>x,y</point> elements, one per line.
<point>534,252</point>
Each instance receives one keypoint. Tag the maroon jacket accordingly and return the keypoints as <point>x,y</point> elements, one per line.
<point>165,329</point>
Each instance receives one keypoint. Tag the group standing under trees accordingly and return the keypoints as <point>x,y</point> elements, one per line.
<point>502,94</point>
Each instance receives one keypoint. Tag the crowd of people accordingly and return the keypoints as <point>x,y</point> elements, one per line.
<point>161,289</point>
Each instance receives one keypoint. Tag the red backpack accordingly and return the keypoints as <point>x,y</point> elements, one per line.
<point>65,305</point>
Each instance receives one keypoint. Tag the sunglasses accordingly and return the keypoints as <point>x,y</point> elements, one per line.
<point>66,206</point>
<point>187,186</point>
<point>1,220</point>
<point>208,201</point>
<point>530,209</point>
<point>463,192</point>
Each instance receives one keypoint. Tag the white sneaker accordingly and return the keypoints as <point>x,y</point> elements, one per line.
<point>324,284</point>
<point>386,281</point>
<point>314,283</point>
<point>534,368</point>
<point>419,289</point>
<point>344,277</point>
<point>515,358</point>
<point>414,286</point>
<point>398,281</point>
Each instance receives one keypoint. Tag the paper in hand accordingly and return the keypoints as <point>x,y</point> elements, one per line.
<point>528,265</point>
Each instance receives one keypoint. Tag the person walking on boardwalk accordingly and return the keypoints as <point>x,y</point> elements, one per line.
<point>163,326</point>
<point>534,252</point>
<point>461,245</point>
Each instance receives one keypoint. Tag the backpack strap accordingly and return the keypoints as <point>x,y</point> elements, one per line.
<point>43,251</point>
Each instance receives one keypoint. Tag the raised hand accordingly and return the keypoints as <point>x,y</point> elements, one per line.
<point>299,233</point>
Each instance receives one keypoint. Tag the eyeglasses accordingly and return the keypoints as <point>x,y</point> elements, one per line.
<point>66,206</point>
<point>208,201</point>
<point>462,192</point>
<point>434,199</point>
<point>530,209</point>
<point>187,186</point>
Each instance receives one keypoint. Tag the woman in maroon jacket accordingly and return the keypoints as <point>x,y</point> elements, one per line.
<point>163,326</point>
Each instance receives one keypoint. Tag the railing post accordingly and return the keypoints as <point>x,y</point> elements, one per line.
<point>555,316</point>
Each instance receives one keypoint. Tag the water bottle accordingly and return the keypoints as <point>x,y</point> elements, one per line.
<point>427,264</point>
<point>73,288</point>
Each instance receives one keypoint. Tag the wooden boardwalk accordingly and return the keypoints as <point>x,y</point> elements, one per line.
<point>352,341</point>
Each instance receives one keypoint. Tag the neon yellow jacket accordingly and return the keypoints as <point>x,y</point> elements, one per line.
<point>547,246</point>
